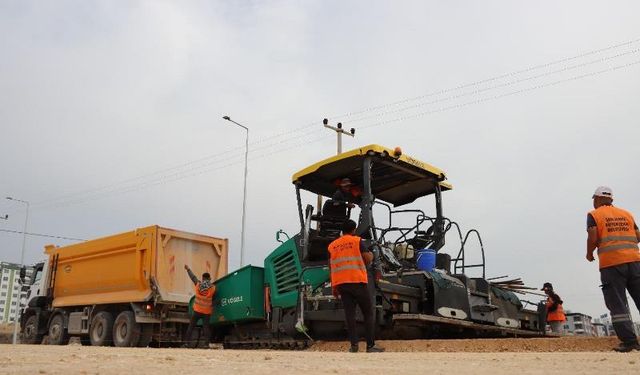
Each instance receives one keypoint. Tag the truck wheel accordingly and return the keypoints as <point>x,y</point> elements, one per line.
<point>30,331</point>
<point>126,332</point>
<point>101,329</point>
<point>58,335</point>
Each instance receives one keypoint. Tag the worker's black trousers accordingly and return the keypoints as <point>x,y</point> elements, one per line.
<point>205,325</point>
<point>352,295</point>
<point>615,280</point>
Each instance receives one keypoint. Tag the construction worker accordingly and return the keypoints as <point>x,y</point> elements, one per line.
<point>202,306</point>
<point>348,259</point>
<point>614,232</point>
<point>555,312</point>
<point>338,208</point>
<point>347,191</point>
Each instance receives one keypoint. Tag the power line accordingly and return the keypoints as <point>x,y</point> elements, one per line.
<point>351,114</point>
<point>41,235</point>
<point>183,176</point>
<point>499,86</point>
<point>178,172</point>
<point>197,171</point>
<point>178,167</point>
<point>496,97</point>
<point>490,79</point>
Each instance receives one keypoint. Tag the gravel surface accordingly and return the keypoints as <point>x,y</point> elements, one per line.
<point>75,359</point>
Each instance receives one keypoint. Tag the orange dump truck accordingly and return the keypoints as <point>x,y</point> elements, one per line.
<point>124,290</point>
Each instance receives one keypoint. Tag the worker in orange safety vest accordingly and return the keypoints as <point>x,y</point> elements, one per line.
<point>348,259</point>
<point>555,311</point>
<point>615,234</point>
<point>202,306</point>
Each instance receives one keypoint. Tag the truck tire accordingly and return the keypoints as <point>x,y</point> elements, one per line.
<point>101,330</point>
<point>58,335</point>
<point>126,332</point>
<point>30,331</point>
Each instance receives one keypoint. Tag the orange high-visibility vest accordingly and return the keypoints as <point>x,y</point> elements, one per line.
<point>617,241</point>
<point>204,300</point>
<point>555,316</point>
<point>346,261</point>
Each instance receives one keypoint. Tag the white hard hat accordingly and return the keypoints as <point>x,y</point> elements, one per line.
<point>603,191</point>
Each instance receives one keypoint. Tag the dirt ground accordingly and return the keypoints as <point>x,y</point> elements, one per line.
<point>541,345</point>
<point>5,327</point>
<point>6,333</point>
<point>505,356</point>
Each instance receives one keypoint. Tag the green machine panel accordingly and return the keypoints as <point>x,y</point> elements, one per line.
<point>284,272</point>
<point>239,296</point>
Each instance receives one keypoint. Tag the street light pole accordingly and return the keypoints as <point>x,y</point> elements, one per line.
<point>24,241</point>
<point>244,196</point>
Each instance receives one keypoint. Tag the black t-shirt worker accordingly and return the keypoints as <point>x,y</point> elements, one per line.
<point>614,232</point>
<point>348,259</point>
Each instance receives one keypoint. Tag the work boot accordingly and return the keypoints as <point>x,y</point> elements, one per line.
<point>353,349</point>
<point>626,347</point>
<point>375,349</point>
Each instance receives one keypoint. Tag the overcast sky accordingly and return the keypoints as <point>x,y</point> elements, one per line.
<point>110,117</point>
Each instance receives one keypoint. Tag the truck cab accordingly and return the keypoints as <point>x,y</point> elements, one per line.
<point>38,287</point>
<point>36,309</point>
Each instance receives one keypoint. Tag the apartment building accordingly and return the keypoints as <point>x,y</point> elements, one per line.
<point>12,293</point>
<point>605,319</point>
<point>579,324</point>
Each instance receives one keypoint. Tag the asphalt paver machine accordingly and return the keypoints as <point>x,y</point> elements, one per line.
<point>288,303</point>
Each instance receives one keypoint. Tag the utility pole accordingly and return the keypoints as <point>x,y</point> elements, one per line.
<point>339,131</point>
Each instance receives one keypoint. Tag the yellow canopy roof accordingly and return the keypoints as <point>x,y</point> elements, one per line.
<point>395,179</point>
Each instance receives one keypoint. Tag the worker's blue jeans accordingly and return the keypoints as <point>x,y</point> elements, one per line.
<point>615,281</point>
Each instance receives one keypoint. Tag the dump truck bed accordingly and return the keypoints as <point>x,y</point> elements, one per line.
<point>136,266</point>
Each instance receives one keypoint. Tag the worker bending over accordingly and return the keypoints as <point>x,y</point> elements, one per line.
<point>202,306</point>
<point>614,232</point>
<point>555,312</point>
<point>348,257</point>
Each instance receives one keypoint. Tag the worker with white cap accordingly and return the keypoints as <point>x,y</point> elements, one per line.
<point>614,233</point>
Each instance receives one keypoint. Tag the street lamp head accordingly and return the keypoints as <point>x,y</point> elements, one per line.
<point>226,118</point>
<point>353,131</point>
<point>339,125</point>
<point>325,121</point>
<point>17,200</point>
